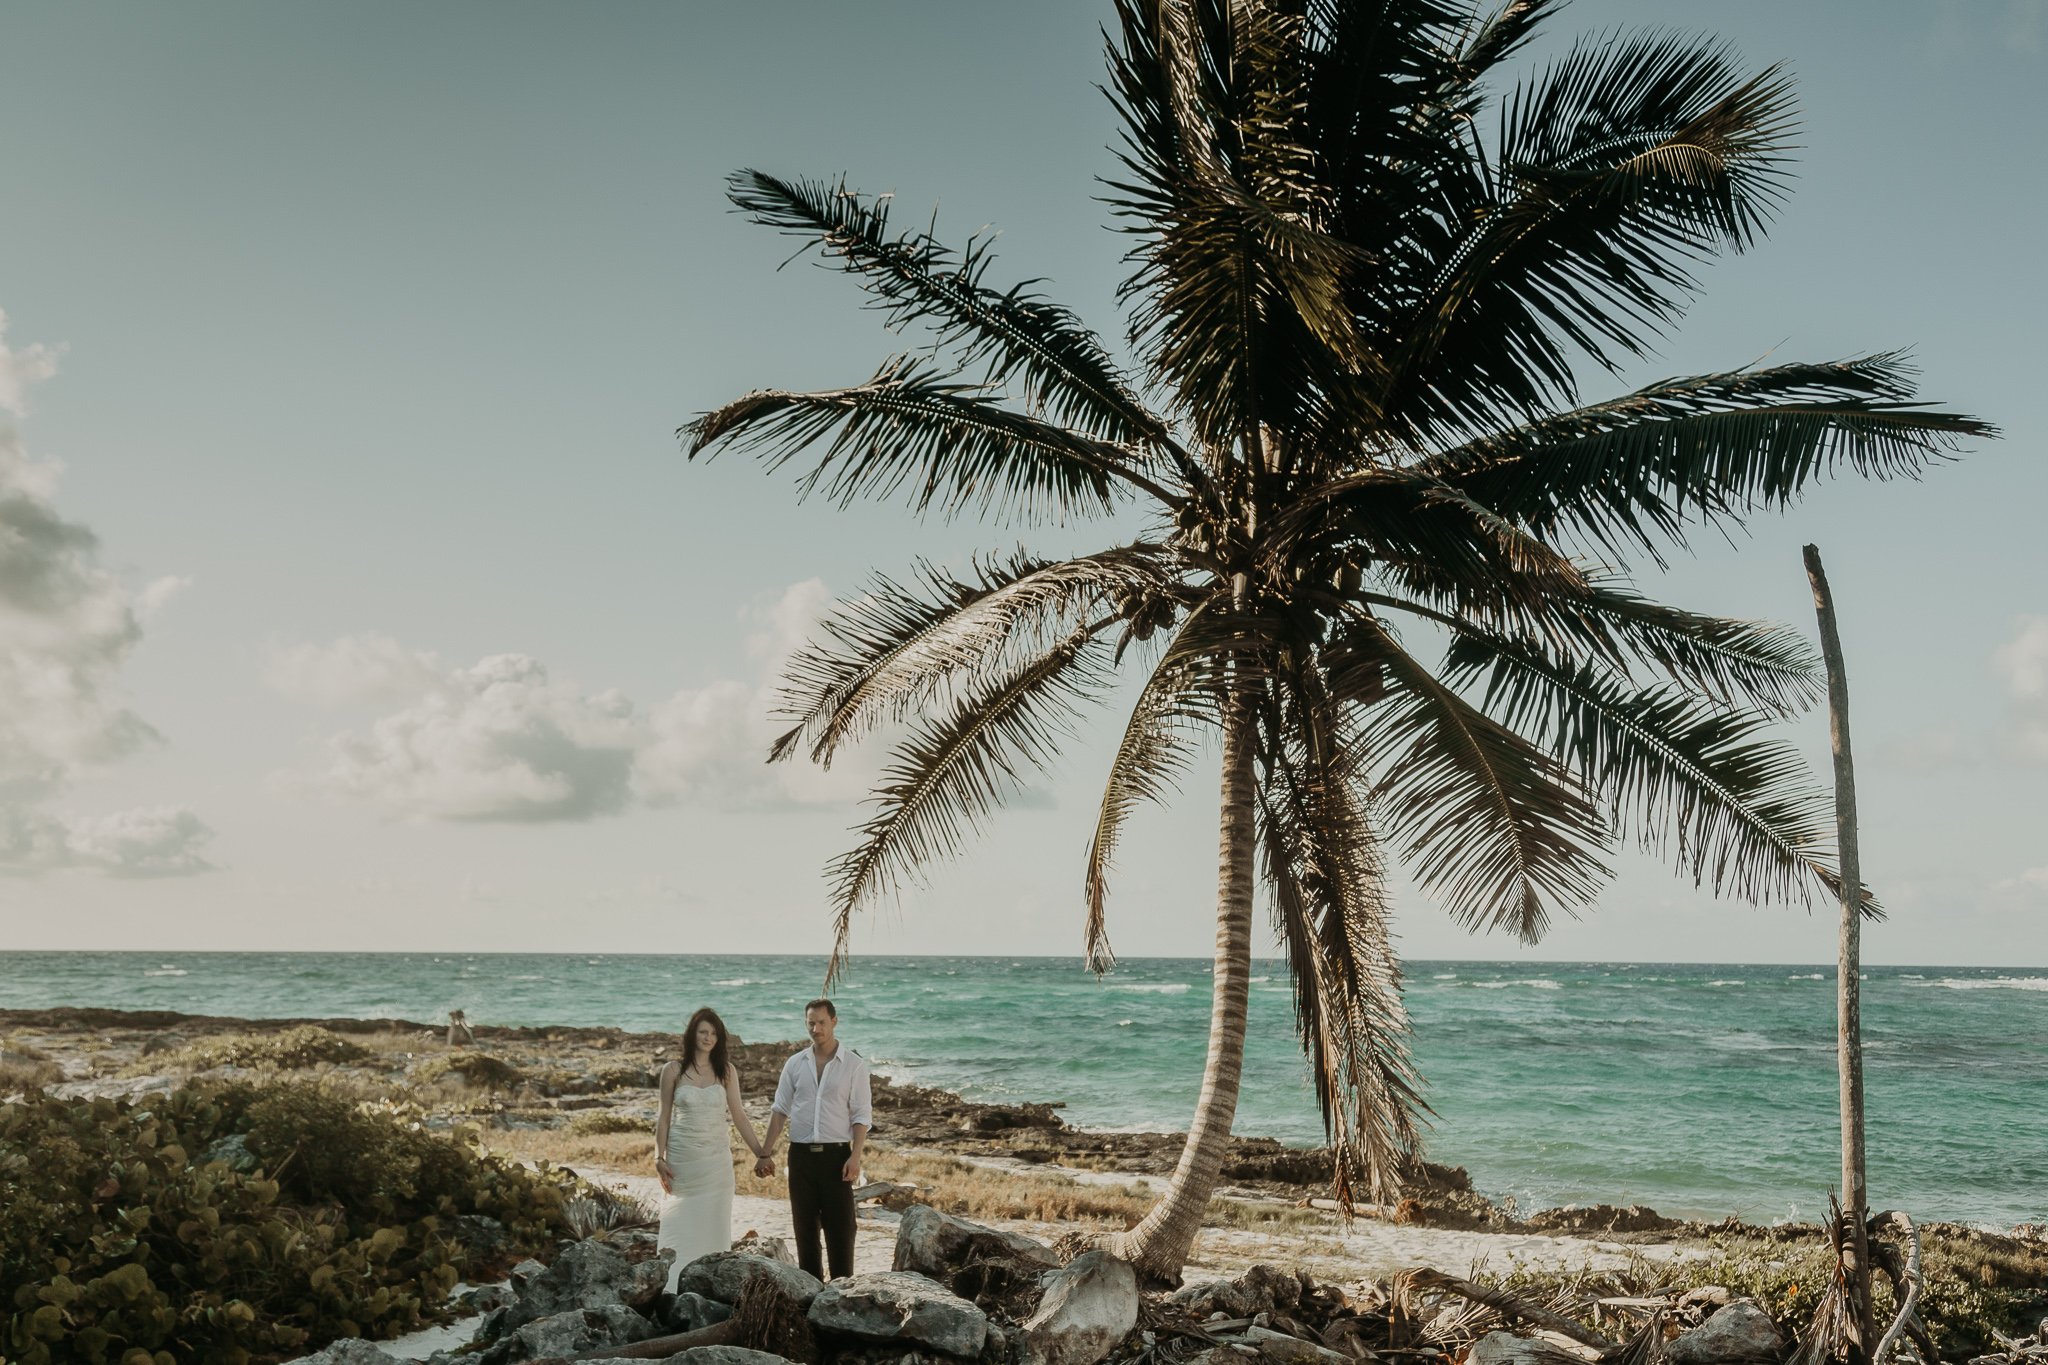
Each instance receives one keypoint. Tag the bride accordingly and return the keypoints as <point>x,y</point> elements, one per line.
<point>692,1155</point>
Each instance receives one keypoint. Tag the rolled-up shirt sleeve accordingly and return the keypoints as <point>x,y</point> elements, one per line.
<point>785,1088</point>
<point>860,1099</point>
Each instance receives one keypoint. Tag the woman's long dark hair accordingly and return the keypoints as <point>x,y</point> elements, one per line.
<point>707,1015</point>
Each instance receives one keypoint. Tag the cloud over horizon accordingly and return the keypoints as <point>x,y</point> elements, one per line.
<point>67,628</point>
<point>503,740</point>
<point>2023,664</point>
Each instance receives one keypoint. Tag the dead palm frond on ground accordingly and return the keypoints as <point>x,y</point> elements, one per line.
<point>1364,267</point>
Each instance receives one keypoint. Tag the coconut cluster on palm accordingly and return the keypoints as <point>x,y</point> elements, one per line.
<point>1363,269</point>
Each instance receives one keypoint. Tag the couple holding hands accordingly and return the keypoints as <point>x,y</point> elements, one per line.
<point>823,1098</point>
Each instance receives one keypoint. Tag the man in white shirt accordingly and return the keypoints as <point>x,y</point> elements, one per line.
<point>825,1099</point>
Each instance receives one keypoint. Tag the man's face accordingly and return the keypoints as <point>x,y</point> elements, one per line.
<point>819,1025</point>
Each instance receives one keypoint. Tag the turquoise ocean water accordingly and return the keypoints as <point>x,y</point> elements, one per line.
<point>1696,1089</point>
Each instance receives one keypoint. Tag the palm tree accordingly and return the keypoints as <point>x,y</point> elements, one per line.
<point>1359,283</point>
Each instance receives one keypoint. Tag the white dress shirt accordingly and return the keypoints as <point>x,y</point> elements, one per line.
<point>824,1108</point>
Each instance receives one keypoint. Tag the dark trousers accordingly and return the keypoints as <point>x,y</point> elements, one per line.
<point>820,1197</point>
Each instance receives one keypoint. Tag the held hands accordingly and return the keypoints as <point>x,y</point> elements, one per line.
<point>764,1166</point>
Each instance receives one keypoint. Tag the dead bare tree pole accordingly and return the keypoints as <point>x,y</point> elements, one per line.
<point>1849,975</point>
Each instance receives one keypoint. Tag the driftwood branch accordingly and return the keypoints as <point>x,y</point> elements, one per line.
<point>1507,1304</point>
<point>654,1348</point>
<point>1912,1283</point>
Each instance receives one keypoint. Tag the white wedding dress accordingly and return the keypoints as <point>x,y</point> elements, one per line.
<point>697,1219</point>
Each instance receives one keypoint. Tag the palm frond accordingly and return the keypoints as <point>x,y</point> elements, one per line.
<point>1692,779</point>
<point>1615,166</point>
<point>898,646</point>
<point>909,428</point>
<point>1635,471</point>
<point>1327,878</point>
<point>1150,759</point>
<point>1065,371</point>
<point>955,770</point>
<point>1497,830</point>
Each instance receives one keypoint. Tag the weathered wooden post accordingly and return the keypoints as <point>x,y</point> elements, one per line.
<point>1862,1331</point>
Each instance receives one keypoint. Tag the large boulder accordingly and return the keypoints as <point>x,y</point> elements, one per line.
<point>900,1306</point>
<point>1087,1308</point>
<point>722,1274</point>
<point>723,1355</point>
<point>350,1351</point>
<point>1742,1332</point>
<point>567,1334</point>
<point>587,1274</point>
<point>937,1244</point>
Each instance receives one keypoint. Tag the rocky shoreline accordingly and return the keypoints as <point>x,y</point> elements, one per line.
<point>550,1074</point>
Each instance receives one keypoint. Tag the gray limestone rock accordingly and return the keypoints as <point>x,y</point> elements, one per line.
<point>349,1351</point>
<point>1087,1308</point>
<point>723,1355</point>
<point>900,1306</point>
<point>721,1275</point>
<point>936,1244</point>
<point>687,1312</point>
<point>1741,1332</point>
<point>566,1334</point>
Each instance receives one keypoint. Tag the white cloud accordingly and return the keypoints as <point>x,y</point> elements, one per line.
<point>2023,664</point>
<point>499,741</point>
<point>67,628</point>
<point>22,370</point>
<point>355,670</point>
<point>504,741</point>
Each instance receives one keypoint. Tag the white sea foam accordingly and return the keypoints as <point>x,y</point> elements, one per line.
<point>1726,983</point>
<point>2009,983</point>
<point>742,981</point>
<point>1257,979</point>
<point>1539,983</point>
<point>1125,1023</point>
<point>1174,988</point>
<point>168,971</point>
<point>1446,976</point>
<point>529,978</point>
<point>1810,976</point>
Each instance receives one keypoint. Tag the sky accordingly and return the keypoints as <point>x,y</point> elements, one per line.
<point>354,592</point>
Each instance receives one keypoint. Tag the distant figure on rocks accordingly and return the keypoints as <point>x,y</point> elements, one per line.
<point>692,1154</point>
<point>824,1096</point>
<point>458,1030</point>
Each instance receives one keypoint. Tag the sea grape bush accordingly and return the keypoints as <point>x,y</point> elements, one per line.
<point>120,1242</point>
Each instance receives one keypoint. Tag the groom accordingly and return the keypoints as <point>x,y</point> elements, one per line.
<point>824,1098</point>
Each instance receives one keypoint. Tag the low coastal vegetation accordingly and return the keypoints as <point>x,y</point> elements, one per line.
<point>228,1222</point>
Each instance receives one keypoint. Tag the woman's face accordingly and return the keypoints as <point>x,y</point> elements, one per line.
<point>706,1039</point>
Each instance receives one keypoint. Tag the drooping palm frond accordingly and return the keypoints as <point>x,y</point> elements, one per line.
<point>1149,761</point>
<point>898,646</point>
<point>1762,664</point>
<point>955,769</point>
<point>1497,830</point>
<point>1065,371</point>
<point>1327,879</point>
<point>949,445</point>
<point>1634,472</point>
<point>1736,812</point>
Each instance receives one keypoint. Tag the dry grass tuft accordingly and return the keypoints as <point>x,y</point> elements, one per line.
<point>20,1073</point>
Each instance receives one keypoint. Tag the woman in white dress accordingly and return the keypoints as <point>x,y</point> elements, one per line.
<point>692,1154</point>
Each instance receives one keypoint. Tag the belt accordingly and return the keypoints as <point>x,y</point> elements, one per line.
<point>821,1146</point>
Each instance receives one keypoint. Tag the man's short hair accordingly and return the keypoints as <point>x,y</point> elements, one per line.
<point>821,1003</point>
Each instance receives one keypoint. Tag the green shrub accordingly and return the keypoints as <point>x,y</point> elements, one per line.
<point>293,1050</point>
<point>118,1243</point>
<point>598,1122</point>
<point>478,1068</point>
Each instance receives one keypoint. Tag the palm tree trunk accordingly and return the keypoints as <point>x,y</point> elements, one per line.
<point>1159,1245</point>
<point>1849,977</point>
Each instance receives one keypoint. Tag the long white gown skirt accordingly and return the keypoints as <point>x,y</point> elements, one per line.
<point>696,1219</point>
